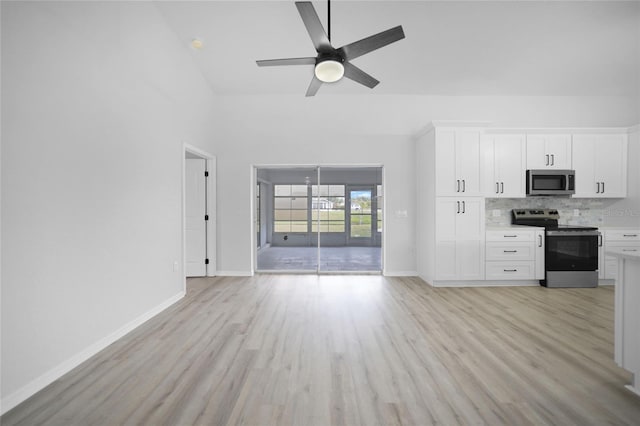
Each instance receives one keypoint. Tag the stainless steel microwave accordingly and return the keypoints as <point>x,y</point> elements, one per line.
<point>551,182</point>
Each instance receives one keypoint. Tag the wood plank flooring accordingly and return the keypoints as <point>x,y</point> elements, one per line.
<point>351,350</point>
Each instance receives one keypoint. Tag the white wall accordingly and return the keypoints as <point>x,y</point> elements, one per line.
<point>249,148</point>
<point>97,100</point>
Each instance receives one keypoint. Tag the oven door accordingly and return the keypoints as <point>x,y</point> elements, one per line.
<point>571,251</point>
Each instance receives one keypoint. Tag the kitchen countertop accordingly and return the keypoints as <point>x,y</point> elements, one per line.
<point>620,252</point>
<point>512,227</point>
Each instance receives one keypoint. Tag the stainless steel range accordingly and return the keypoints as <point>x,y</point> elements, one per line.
<point>571,252</point>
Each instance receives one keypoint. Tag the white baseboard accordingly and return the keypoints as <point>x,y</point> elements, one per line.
<point>233,274</point>
<point>490,283</point>
<point>55,373</point>
<point>400,273</point>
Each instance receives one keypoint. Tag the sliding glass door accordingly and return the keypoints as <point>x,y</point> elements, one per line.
<point>324,219</point>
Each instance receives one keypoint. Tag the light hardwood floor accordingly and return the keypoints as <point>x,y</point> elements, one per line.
<point>350,350</point>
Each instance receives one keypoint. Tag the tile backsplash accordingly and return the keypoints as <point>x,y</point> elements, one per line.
<point>591,211</point>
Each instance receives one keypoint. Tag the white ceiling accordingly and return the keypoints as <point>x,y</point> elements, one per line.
<point>538,48</point>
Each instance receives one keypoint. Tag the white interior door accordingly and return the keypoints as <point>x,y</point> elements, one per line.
<point>195,211</point>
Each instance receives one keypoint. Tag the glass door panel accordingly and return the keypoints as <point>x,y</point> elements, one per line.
<point>292,246</point>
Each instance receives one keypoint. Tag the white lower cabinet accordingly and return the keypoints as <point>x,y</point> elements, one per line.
<point>460,238</point>
<point>514,254</point>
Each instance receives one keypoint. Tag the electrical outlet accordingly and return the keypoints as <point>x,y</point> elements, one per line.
<point>576,212</point>
<point>496,213</point>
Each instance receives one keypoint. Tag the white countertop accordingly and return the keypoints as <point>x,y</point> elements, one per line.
<point>512,227</point>
<point>620,252</point>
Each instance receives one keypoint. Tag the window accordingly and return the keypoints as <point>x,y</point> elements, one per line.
<point>328,208</point>
<point>290,208</point>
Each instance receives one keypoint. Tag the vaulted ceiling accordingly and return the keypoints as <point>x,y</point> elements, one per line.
<point>537,48</point>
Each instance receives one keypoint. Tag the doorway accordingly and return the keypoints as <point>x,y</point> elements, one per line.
<point>318,219</point>
<point>198,213</point>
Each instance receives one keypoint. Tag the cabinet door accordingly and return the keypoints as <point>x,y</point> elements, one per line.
<point>469,260</point>
<point>539,256</point>
<point>584,163</point>
<point>559,149</point>
<point>446,178</point>
<point>600,162</point>
<point>468,162</point>
<point>510,163</point>
<point>549,152</point>
<point>470,220</point>
<point>446,214</point>
<point>611,165</point>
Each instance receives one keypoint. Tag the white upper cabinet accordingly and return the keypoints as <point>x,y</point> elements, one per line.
<point>600,162</point>
<point>458,162</point>
<point>504,165</point>
<point>548,151</point>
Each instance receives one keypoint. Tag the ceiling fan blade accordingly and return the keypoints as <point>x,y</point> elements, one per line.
<point>314,27</point>
<point>286,61</point>
<point>366,45</point>
<point>359,76</point>
<point>313,86</point>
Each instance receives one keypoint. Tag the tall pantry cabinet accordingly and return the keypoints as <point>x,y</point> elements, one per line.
<point>451,213</point>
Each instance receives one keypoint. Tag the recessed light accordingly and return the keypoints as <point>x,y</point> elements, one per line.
<point>196,43</point>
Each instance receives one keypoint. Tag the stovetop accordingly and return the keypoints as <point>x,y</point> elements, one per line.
<point>547,218</point>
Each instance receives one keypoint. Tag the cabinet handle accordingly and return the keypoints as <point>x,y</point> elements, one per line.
<point>497,188</point>
<point>547,158</point>
<point>502,187</point>
<point>510,270</point>
<point>464,206</point>
<point>629,249</point>
<point>553,159</point>
<point>597,187</point>
<point>539,240</point>
<point>464,186</point>
<point>629,235</point>
<point>458,202</point>
<point>457,185</point>
<point>510,236</point>
<point>510,251</point>
<point>602,187</point>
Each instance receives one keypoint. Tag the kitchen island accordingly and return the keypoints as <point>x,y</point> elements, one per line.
<point>627,314</point>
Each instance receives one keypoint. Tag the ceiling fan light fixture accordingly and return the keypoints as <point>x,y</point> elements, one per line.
<point>329,71</point>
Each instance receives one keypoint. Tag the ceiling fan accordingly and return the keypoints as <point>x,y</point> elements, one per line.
<point>332,64</point>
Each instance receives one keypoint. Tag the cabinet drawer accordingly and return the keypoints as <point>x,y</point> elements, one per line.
<point>510,270</point>
<point>513,251</point>
<point>628,235</point>
<point>510,236</point>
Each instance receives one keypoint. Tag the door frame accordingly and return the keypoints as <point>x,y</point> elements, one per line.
<point>253,173</point>
<point>210,225</point>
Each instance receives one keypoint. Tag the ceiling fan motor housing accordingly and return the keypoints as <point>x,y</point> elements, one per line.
<point>329,67</point>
